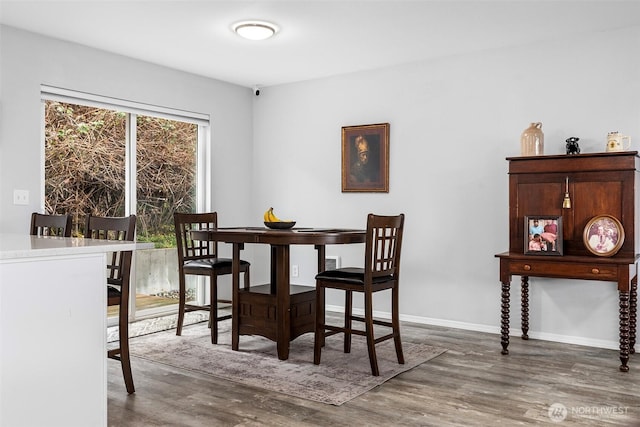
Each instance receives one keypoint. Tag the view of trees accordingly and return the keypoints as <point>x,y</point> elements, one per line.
<point>85,167</point>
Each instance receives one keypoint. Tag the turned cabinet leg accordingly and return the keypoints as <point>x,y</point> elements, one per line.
<point>504,324</point>
<point>524,304</point>
<point>633,314</point>
<point>624,331</point>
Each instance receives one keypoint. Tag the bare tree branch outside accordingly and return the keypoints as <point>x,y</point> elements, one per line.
<point>85,167</point>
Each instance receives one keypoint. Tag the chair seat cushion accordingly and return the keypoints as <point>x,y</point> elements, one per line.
<point>349,275</point>
<point>113,292</point>
<point>212,263</point>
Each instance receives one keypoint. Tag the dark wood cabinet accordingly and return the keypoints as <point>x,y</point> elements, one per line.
<point>596,184</point>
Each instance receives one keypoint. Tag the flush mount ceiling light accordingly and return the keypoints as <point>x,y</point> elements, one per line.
<point>255,30</point>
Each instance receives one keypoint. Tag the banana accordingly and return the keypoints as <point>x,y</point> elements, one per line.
<point>269,216</point>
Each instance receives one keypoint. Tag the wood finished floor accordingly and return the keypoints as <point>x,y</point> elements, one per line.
<point>471,384</point>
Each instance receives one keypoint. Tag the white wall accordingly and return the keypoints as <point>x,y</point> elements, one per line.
<point>453,121</point>
<point>29,60</point>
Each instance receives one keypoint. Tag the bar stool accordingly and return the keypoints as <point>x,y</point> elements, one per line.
<point>200,258</point>
<point>118,281</point>
<point>381,272</point>
<point>50,225</point>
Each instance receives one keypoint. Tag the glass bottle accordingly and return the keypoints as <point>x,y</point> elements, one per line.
<point>532,140</point>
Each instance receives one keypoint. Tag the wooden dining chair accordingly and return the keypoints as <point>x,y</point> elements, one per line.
<point>50,225</point>
<point>200,258</point>
<point>381,272</point>
<point>118,281</point>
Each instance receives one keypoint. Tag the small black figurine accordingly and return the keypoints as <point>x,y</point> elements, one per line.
<point>572,145</point>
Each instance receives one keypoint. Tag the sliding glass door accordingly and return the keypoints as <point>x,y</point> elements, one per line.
<point>107,162</point>
<point>166,172</point>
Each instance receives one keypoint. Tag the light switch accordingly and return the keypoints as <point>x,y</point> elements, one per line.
<point>20,197</point>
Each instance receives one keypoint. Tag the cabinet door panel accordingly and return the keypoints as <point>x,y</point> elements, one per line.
<point>543,198</point>
<point>537,198</point>
<point>596,198</point>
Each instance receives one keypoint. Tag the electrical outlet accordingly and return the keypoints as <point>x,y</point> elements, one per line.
<point>20,197</point>
<point>294,271</point>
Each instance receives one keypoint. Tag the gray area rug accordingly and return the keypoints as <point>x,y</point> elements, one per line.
<point>158,324</point>
<point>339,378</point>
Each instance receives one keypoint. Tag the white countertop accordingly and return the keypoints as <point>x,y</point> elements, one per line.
<point>17,246</point>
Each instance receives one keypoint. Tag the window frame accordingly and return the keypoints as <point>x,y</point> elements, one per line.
<point>133,109</point>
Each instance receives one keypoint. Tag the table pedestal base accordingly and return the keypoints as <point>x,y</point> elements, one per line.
<point>257,311</point>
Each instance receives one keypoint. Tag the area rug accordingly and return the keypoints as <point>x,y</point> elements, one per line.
<point>339,378</point>
<point>157,324</point>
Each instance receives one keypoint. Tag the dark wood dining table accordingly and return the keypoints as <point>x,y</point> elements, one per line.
<point>277,310</point>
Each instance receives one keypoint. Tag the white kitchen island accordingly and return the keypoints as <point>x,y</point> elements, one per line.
<point>53,321</point>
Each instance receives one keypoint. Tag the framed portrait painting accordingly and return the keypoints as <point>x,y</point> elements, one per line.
<point>365,158</point>
<point>543,235</point>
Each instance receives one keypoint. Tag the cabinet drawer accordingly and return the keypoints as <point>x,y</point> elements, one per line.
<point>543,268</point>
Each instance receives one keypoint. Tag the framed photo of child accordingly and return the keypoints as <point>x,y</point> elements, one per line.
<point>543,235</point>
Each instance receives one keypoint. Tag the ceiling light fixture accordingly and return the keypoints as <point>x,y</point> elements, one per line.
<point>255,30</point>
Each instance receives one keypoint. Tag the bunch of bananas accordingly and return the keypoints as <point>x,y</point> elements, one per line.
<point>269,216</point>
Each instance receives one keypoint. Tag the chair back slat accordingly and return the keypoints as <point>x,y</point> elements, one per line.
<point>50,225</point>
<point>114,228</point>
<point>188,248</point>
<point>383,244</point>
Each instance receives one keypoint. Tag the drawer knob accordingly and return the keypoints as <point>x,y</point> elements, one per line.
<point>527,267</point>
<point>595,270</point>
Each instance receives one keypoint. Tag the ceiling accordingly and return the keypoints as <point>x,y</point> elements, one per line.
<point>317,38</point>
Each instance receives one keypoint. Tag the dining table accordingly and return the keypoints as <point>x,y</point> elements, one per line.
<point>277,310</point>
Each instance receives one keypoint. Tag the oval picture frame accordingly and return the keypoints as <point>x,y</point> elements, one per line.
<point>603,235</point>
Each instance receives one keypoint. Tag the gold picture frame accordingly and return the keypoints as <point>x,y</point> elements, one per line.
<point>365,158</point>
<point>603,235</point>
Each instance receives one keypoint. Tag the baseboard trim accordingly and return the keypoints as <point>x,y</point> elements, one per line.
<point>491,329</point>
